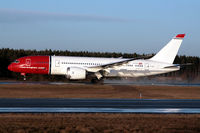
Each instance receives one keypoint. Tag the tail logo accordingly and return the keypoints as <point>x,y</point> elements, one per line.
<point>180,36</point>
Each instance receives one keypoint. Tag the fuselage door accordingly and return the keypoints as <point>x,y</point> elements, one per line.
<point>57,63</point>
<point>146,66</point>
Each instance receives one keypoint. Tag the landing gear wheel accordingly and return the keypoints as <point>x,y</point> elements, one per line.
<point>97,81</point>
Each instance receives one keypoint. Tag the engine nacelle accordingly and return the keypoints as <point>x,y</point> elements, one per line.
<point>75,73</point>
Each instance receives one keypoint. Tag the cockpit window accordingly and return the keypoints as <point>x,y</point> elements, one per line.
<point>16,61</point>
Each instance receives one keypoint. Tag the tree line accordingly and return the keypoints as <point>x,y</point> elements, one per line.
<point>8,55</point>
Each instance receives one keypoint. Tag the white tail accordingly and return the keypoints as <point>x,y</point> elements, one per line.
<point>168,53</point>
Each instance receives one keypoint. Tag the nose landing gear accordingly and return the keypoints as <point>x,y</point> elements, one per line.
<point>24,74</point>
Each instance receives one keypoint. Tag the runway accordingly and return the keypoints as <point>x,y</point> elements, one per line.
<point>53,105</point>
<point>106,82</point>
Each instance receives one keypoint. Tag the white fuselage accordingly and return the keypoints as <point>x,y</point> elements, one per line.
<point>136,68</point>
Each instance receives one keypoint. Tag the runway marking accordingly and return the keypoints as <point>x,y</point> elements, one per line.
<point>105,82</point>
<point>100,110</point>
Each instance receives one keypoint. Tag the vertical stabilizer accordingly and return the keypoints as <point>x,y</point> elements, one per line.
<point>168,53</point>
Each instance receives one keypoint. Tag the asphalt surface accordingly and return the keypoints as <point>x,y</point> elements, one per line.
<point>99,105</point>
<point>106,82</point>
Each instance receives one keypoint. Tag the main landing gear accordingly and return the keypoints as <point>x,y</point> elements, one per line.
<point>97,81</point>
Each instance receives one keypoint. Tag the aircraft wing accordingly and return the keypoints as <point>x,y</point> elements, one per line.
<point>100,70</point>
<point>115,64</point>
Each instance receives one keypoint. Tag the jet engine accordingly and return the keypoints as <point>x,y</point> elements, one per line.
<point>75,73</point>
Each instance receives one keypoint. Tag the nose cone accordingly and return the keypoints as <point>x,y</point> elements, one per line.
<point>10,67</point>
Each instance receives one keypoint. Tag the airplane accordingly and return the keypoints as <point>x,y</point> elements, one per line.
<point>96,68</point>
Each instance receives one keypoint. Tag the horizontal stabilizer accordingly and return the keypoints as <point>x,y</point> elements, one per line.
<point>181,65</point>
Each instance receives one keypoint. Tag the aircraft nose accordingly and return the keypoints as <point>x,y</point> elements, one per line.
<point>10,67</point>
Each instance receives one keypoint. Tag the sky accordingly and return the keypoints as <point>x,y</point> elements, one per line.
<point>126,26</point>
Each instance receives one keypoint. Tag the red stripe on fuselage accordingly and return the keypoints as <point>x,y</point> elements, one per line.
<point>31,64</point>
